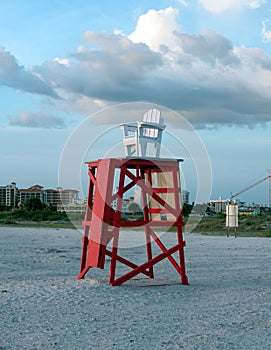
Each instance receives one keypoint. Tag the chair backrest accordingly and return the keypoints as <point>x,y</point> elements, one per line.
<point>152,116</point>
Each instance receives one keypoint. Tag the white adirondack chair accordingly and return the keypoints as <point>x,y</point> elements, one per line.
<point>137,136</point>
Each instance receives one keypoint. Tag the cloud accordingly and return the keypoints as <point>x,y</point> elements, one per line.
<point>204,77</point>
<point>36,120</point>
<point>183,2</point>
<point>15,76</point>
<point>208,47</point>
<point>216,6</point>
<point>112,68</point>
<point>266,30</point>
<point>156,29</point>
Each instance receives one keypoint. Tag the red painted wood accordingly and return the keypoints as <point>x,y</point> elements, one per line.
<point>102,223</point>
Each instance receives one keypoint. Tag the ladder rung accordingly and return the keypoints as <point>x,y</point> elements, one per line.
<point>158,211</point>
<point>163,190</point>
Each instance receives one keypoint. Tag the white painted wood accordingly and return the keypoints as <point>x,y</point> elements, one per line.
<point>137,136</point>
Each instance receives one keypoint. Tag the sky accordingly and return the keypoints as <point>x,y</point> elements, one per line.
<point>62,62</point>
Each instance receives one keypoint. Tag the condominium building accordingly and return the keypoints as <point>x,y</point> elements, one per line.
<point>60,196</point>
<point>35,191</point>
<point>11,196</point>
<point>68,196</point>
<point>52,197</point>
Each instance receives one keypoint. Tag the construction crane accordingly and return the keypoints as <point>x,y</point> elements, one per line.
<point>255,184</point>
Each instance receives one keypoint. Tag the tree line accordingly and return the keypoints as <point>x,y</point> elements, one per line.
<point>32,210</point>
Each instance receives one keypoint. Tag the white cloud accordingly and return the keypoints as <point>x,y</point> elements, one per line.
<point>112,67</point>
<point>266,31</point>
<point>202,76</point>
<point>217,6</point>
<point>156,29</point>
<point>183,2</point>
<point>254,4</point>
<point>64,61</point>
<point>36,119</point>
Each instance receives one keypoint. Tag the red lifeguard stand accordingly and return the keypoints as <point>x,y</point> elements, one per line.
<point>159,182</point>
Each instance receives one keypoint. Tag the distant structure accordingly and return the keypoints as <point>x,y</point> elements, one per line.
<point>53,197</point>
<point>35,191</point>
<point>9,195</point>
<point>60,196</point>
<point>185,196</point>
<point>218,205</point>
<point>126,202</point>
<point>12,197</point>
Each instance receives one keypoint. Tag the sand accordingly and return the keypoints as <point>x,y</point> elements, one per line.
<point>226,306</point>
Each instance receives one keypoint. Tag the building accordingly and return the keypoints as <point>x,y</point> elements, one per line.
<point>53,197</point>
<point>185,196</point>
<point>12,197</point>
<point>9,195</point>
<point>126,202</point>
<point>218,205</point>
<point>35,191</point>
<point>67,196</point>
<point>59,196</point>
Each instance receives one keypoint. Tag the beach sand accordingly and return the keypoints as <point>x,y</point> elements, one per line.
<point>43,306</point>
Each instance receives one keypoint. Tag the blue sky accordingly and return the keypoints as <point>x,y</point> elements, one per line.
<point>209,60</point>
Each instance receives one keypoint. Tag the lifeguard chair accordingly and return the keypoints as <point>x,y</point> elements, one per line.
<point>137,136</point>
<point>159,182</point>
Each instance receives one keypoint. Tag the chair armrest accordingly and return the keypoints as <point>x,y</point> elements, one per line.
<point>128,128</point>
<point>151,125</point>
<point>132,125</point>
